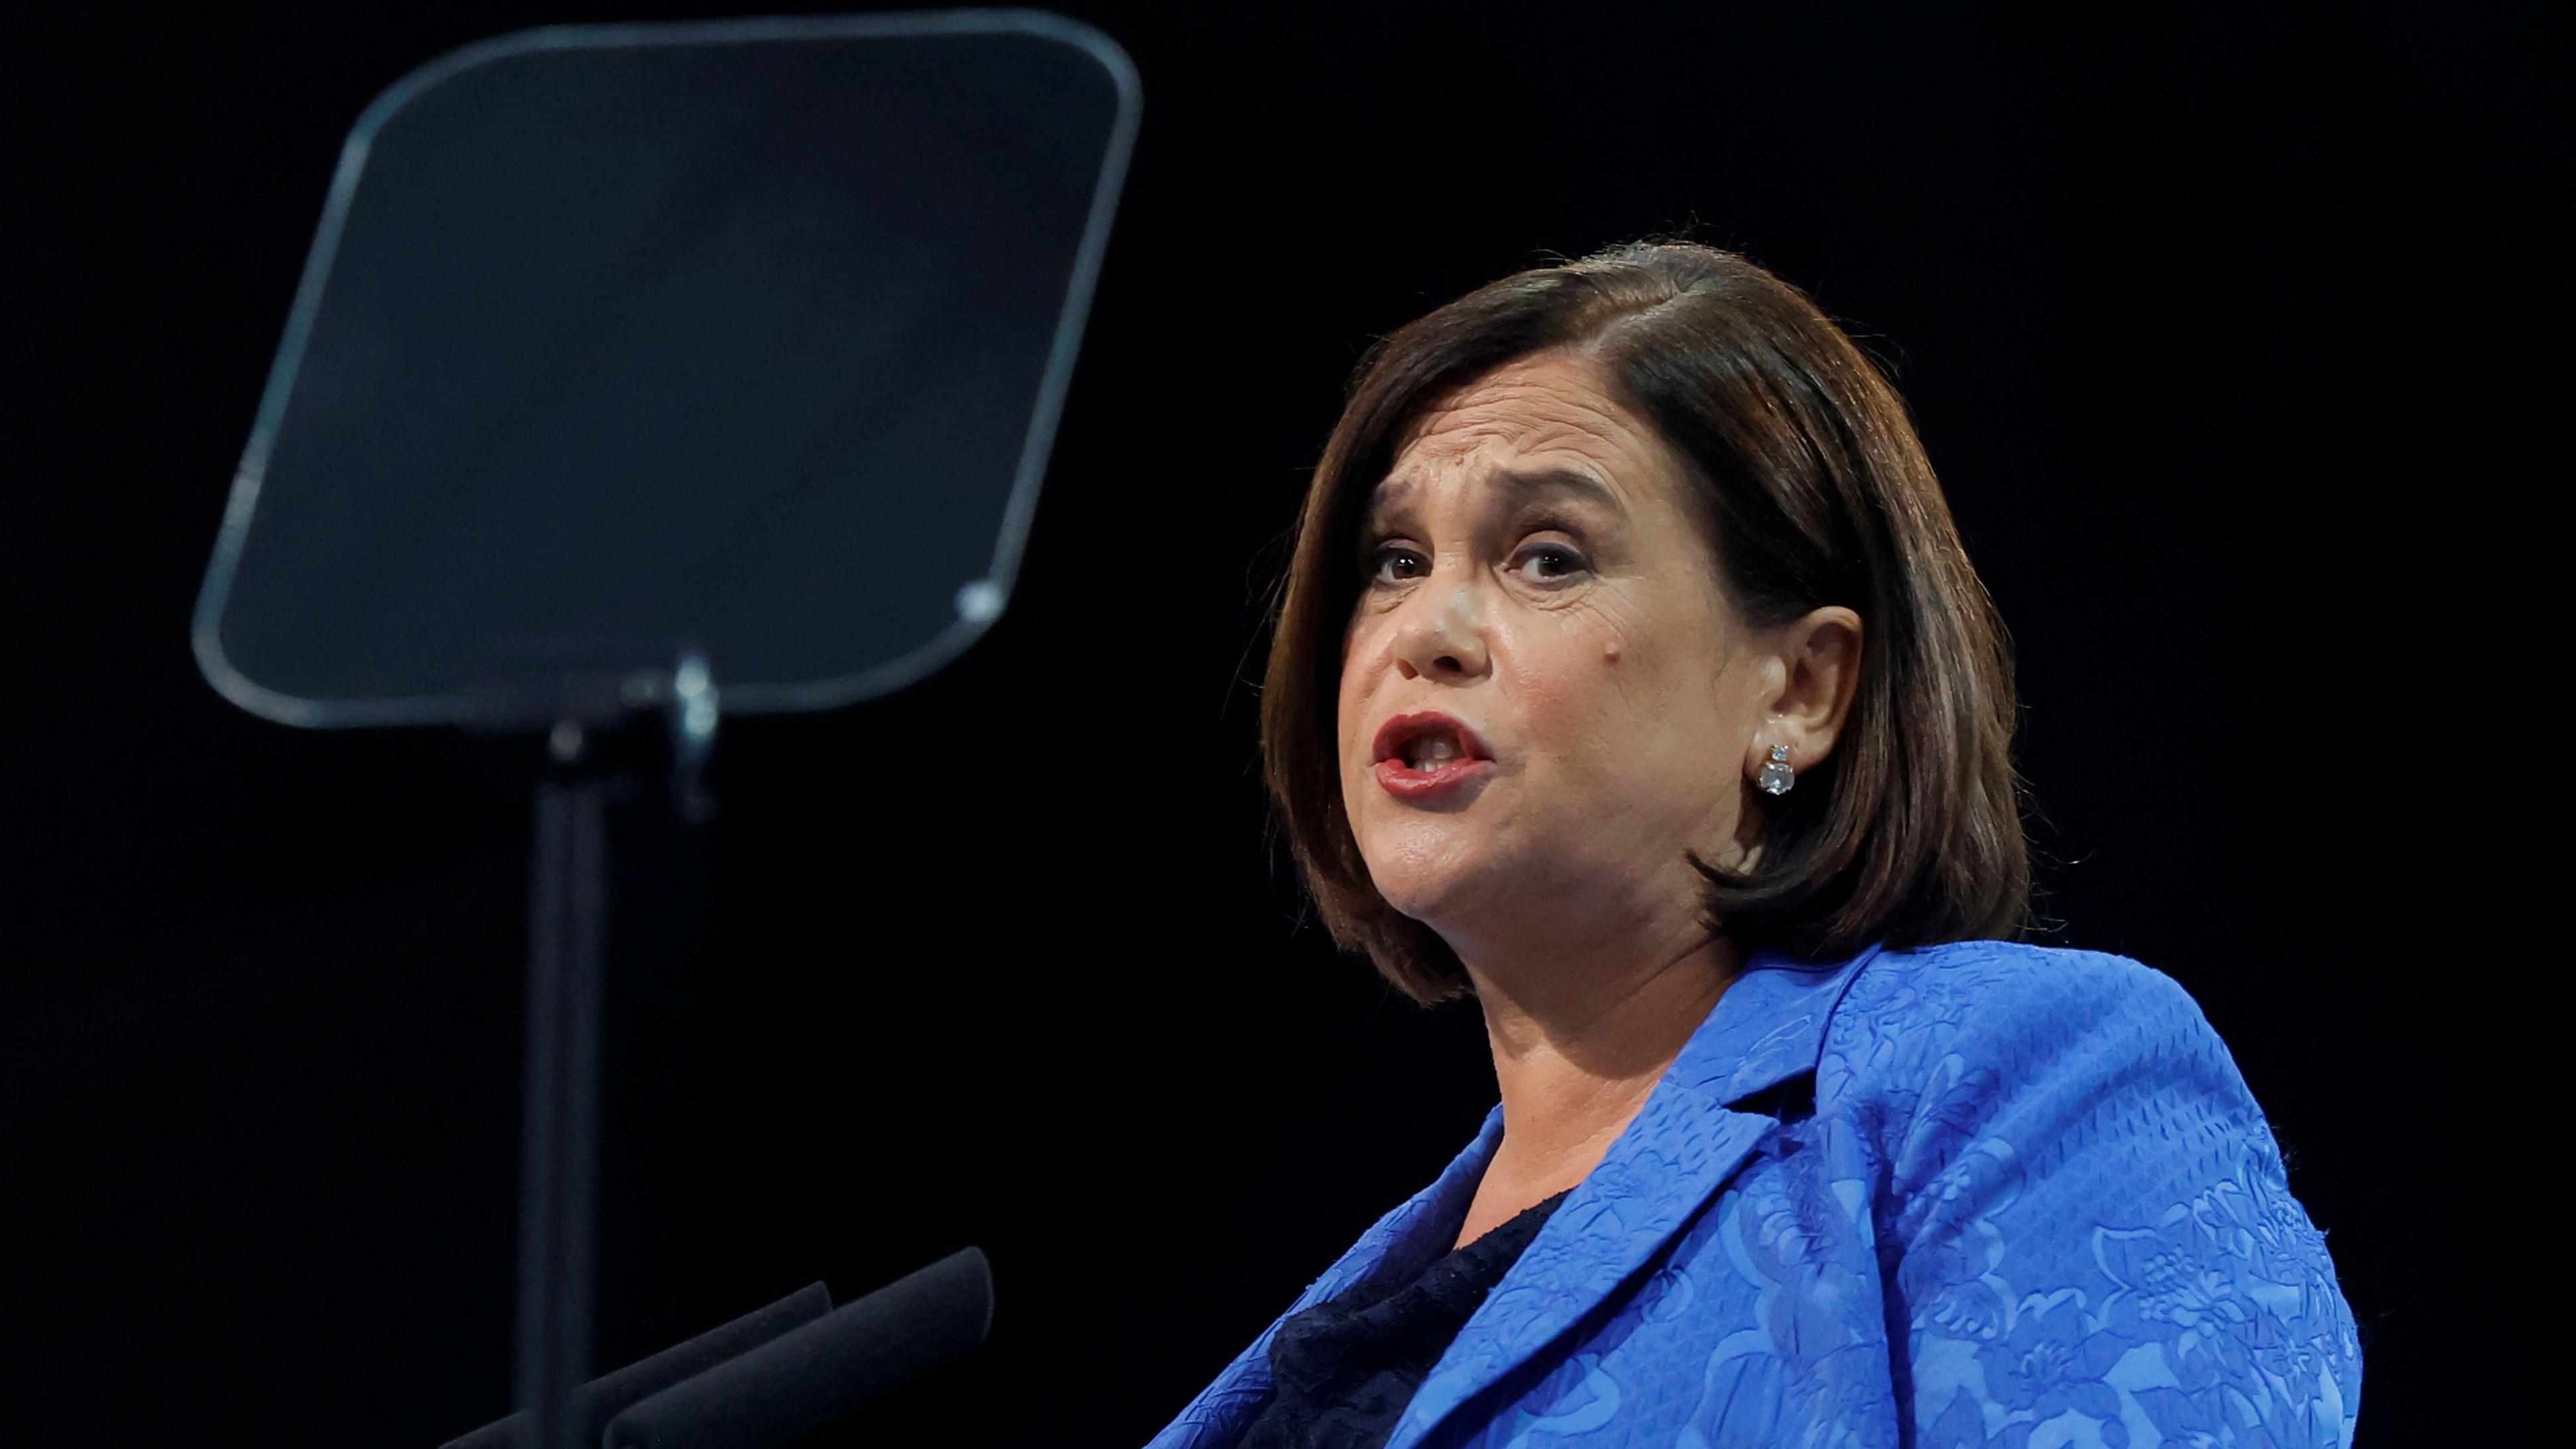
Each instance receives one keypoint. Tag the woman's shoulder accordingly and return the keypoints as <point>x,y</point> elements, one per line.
<point>2073,1174</point>
<point>2016,1011</point>
<point>2010,986</point>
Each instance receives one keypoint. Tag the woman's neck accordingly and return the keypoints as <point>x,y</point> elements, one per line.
<point>1578,1046</point>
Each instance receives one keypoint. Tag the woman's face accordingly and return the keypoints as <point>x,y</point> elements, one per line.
<point>1547,698</point>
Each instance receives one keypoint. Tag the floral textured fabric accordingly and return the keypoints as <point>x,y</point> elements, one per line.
<point>1342,1371</point>
<point>1980,1194</point>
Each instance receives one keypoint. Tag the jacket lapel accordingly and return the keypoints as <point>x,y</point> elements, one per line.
<point>1402,1241</point>
<point>1681,1148</point>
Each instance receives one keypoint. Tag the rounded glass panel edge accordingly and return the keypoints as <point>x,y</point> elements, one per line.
<point>1019,513</point>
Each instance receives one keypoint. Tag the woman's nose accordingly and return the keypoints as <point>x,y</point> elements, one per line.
<point>1444,633</point>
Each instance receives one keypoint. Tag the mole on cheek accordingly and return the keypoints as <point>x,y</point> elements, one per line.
<point>1610,653</point>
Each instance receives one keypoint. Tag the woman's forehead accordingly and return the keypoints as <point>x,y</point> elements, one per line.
<point>1545,418</point>
<point>1535,405</point>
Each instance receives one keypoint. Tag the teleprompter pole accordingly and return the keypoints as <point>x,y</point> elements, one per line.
<point>559,1139</point>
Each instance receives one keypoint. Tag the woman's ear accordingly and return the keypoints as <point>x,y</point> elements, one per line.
<point>1819,676</point>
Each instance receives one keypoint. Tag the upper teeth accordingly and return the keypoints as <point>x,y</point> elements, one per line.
<point>1430,752</point>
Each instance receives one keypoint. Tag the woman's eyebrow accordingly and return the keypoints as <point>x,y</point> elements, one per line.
<point>1389,493</point>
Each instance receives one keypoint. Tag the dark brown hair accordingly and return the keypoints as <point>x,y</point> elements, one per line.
<point>1816,491</point>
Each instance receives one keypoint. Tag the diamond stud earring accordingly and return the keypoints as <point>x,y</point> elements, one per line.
<point>1776,776</point>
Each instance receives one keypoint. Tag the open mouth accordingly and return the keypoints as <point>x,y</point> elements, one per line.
<point>1427,752</point>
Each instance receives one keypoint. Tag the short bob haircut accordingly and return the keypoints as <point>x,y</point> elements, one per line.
<point>1816,491</point>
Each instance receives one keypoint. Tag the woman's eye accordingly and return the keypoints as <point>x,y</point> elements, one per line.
<point>1393,563</point>
<point>1547,563</point>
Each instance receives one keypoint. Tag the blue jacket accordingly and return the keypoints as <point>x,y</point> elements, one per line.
<point>1978,1194</point>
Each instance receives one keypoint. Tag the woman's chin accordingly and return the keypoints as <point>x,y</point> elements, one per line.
<point>1438,892</point>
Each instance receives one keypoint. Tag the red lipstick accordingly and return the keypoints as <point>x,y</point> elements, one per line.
<point>1426,757</point>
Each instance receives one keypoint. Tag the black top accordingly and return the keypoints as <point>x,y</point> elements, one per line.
<point>1343,1370</point>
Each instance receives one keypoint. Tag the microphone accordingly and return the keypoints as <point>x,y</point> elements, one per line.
<point>602,1398</point>
<point>811,1375</point>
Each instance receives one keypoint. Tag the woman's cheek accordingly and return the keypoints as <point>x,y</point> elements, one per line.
<point>1574,695</point>
<point>1359,652</point>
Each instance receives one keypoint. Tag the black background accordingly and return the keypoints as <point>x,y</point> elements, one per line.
<point>2215,317</point>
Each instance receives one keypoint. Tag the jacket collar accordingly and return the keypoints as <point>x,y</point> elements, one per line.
<point>1768,1028</point>
<point>1404,1241</point>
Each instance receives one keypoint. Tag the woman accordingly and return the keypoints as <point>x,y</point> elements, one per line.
<point>1631,678</point>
